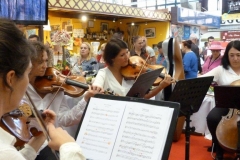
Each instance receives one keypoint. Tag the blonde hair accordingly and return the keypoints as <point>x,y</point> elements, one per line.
<point>103,46</point>
<point>90,54</point>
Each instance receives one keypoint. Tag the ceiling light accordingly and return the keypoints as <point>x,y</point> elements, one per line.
<point>84,18</point>
<point>113,19</point>
<point>132,23</point>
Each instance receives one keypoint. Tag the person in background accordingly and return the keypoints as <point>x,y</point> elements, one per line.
<point>110,77</point>
<point>193,37</point>
<point>210,40</point>
<point>215,59</point>
<point>100,59</point>
<point>138,49</point>
<point>15,67</point>
<point>86,59</point>
<point>190,61</point>
<point>118,34</point>
<point>203,52</point>
<point>160,58</point>
<point>33,37</point>
<point>224,74</point>
<point>148,50</point>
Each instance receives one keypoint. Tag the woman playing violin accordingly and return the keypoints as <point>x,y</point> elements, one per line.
<point>116,57</point>
<point>15,65</point>
<point>66,115</point>
<point>225,74</point>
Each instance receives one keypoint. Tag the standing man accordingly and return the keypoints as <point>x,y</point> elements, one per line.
<point>193,37</point>
<point>149,50</point>
<point>210,40</point>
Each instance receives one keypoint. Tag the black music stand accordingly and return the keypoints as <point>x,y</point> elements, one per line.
<point>228,97</point>
<point>143,83</point>
<point>190,94</point>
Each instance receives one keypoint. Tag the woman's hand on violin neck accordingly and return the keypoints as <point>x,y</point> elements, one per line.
<point>166,81</point>
<point>92,91</point>
<point>58,137</point>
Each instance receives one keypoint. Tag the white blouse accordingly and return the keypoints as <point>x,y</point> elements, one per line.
<point>66,115</point>
<point>106,79</point>
<point>222,76</point>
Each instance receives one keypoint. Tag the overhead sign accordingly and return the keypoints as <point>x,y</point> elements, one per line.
<point>192,17</point>
<point>230,35</point>
<point>230,22</point>
<point>226,16</point>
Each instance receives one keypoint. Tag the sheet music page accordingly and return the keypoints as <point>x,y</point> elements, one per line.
<point>99,128</point>
<point>143,132</point>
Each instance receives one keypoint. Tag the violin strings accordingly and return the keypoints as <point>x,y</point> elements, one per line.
<point>142,68</point>
<point>60,87</point>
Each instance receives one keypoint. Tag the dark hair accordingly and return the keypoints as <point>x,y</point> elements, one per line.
<point>187,43</point>
<point>14,50</point>
<point>34,36</point>
<point>159,45</point>
<point>135,38</point>
<point>112,49</point>
<point>39,48</point>
<point>211,37</point>
<point>205,43</point>
<point>225,60</point>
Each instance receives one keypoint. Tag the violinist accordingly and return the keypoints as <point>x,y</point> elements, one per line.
<point>225,74</point>
<point>15,65</point>
<point>116,57</point>
<point>66,115</point>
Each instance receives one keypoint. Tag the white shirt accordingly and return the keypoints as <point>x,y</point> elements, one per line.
<point>70,150</point>
<point>106,80</point>
<point>150,51</point>
<point>222,76</point>
<point>66,116</point>
<point>8,151</point>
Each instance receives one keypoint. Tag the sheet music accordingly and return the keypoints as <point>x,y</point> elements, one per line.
<point>99,128</point>
<point>121,130</point>
<point>143,131</point>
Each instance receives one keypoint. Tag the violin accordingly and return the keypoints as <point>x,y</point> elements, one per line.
<point>53,80</point>
<point>227,129</point>
<point>137,65</point>
<point>16,123</point>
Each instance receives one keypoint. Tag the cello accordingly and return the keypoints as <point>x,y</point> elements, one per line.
<point>227,130</point>
<point>173,56</point>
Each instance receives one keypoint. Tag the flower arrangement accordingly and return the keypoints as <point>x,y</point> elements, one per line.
<point>61,38</point>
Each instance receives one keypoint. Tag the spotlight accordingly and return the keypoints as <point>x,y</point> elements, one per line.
<point>84,18</point>
<point>132,24</point>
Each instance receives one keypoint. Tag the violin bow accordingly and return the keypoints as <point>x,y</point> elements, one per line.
<point>40,120</point>
<point>139,73</point>
<point>60,87</point>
